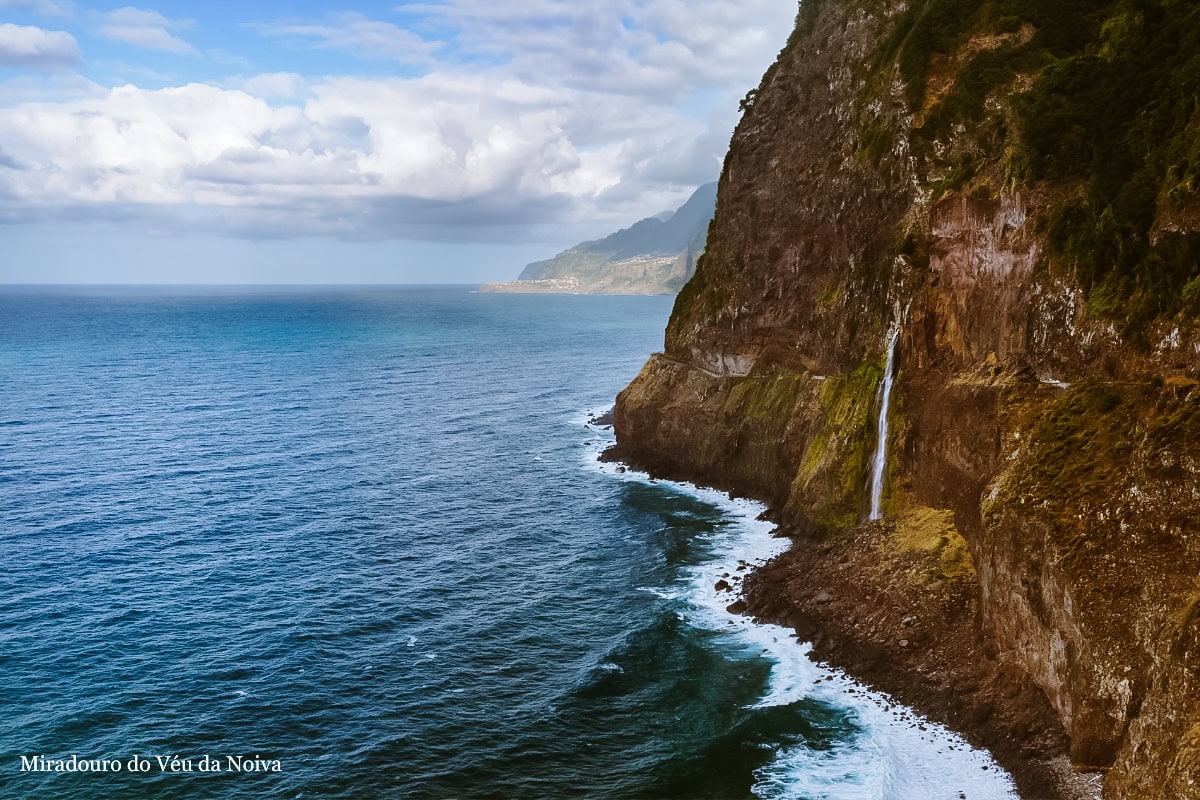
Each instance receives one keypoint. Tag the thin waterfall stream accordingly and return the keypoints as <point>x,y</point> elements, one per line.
<point>880,460</point>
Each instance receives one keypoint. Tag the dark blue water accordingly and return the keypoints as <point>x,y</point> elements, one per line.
<point>355,532</point>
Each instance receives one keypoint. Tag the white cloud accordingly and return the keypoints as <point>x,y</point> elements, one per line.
<point>359,157</point>
<point>271,84</point>
<point>550,113</point>
<point>663,48</point>
<point>438,141</point>
<point>358,35</point>
<point>26,46</point>
<point>59,87</point>
<point>228,59</point>
<point>46,8</point>
<point>145,28</point>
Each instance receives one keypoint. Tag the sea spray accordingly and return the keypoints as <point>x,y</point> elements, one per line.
<point>897,755</point>
<point>879,464</point>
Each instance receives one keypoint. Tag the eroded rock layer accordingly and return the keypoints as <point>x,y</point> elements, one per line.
<point>894,170</point>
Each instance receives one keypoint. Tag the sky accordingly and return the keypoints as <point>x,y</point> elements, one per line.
<point>302,142</point>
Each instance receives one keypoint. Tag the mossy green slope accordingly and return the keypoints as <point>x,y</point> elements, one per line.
<point>1110,115</point>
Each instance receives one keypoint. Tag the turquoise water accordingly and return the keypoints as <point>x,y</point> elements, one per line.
<point>360,533</point>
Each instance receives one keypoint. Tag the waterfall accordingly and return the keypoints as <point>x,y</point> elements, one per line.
<point>880,461</point>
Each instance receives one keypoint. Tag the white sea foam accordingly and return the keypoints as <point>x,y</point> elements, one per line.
<point>665,594</point>
<point>900,755</point>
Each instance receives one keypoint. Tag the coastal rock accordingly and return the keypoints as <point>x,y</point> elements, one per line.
<point>1033,583</point>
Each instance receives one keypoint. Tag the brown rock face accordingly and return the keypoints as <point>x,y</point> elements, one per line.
<point>1048,472</point>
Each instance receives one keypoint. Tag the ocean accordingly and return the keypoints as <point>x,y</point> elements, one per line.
<point>356,543</point>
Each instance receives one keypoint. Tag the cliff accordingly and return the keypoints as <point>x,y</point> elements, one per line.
<point>1011,185</point>
<point>653,256</point>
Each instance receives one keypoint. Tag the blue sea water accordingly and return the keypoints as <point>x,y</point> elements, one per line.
<point>362,533</point>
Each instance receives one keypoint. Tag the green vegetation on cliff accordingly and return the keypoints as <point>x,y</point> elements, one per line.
<point>840,450</point>
<point>928,530</point>
<point>1083,445</point>
<point>1014,183</point>
<point>1111,116</point>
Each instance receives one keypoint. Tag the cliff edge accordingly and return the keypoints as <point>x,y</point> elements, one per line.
<point>1012,187</point>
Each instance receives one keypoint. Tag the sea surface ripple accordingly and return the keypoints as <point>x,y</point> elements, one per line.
<point>356,531</point>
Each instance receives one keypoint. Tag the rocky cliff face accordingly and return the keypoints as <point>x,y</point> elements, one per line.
<point>907,165</point>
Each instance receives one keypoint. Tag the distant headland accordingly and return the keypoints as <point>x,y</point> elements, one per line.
<point>656,255</point>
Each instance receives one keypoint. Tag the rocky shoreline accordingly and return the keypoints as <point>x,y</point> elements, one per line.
<point>884,619</point>
<point>887,620</point>
<point>1041,448</point>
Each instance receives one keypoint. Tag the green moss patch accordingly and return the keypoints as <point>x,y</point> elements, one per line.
<point>767,398</point>
<point>932,531</point>
<point>841,448</point>
<point>1082,445</point>
<point>1113,115</point>
<point>1076,460</point>
<point>1178,414</point>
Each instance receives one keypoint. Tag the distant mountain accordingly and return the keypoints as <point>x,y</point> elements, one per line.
<point>653,256</point>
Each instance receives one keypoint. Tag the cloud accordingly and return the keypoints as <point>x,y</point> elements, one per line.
<point>228,59</point>
<point>145,28</point>
<point>444,141</point>
<point>47,88</point>
<point>46,8</point>
<point>520,118</point>
<point>359,157</point>
<point>660,48</point>
<point>270,84</point>
<point>356,34</point>
<point>26,46</point>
